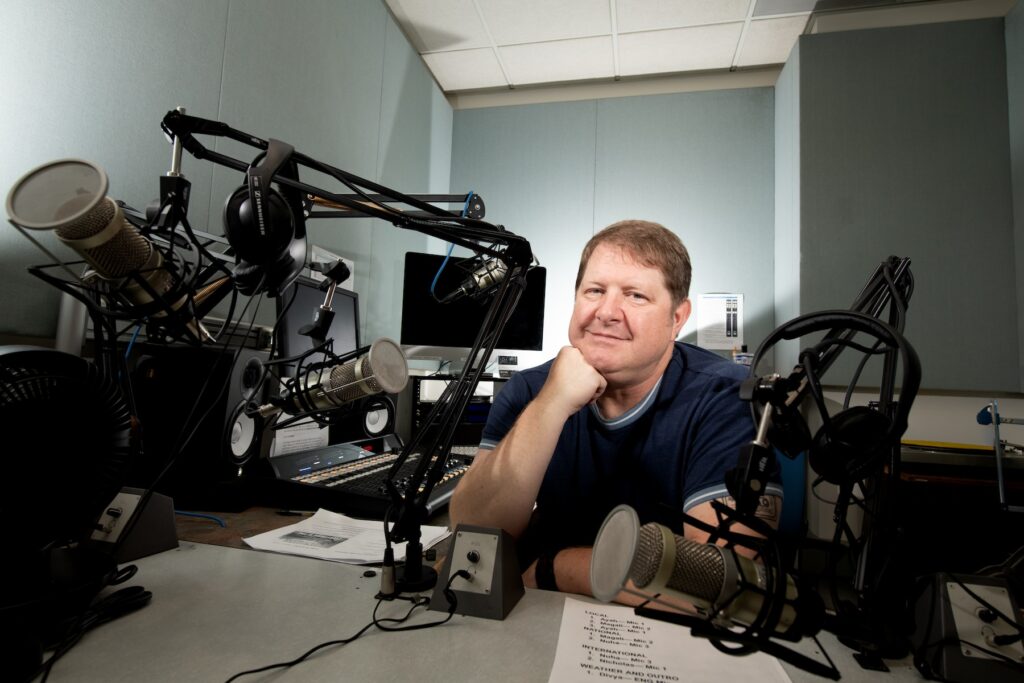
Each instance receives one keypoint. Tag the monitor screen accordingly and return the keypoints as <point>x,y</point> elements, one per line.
<point>427,322</point>
<point>344,328</point>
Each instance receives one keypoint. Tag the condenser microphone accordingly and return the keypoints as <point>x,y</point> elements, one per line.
<point>713,579</point>
<point>383,369</point>
<point>491,273</point>
<point>68,196</point>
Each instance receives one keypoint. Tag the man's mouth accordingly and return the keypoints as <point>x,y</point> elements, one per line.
<point>603,335</point>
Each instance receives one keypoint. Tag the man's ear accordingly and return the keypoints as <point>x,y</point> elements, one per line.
<point>680,316</point>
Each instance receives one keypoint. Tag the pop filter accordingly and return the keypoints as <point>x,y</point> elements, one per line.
<point>613,552</point>
<point>68,196</point>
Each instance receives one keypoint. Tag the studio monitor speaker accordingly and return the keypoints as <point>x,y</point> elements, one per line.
<point>191,407</point>
<point>370,418</point>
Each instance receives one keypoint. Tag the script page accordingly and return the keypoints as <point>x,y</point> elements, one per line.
<point>599,642</point>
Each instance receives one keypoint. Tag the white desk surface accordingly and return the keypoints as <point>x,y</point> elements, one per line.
<point>217,611</point>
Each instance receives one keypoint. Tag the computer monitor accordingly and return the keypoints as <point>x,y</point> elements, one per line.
<point>344,329</point>
<point>427,322</point>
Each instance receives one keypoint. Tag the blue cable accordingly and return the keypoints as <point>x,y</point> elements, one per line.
<point>451,246</point>
<point>131,342</point>
<point>437,275</point>
<point>218,520</point>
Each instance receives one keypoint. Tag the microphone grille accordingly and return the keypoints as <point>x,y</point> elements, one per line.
<point>699,568</point>
<point>650,548</point>
<point>383,369</point>
<point>89,223</point>
<point>124,252</point>
<point>343,387</point>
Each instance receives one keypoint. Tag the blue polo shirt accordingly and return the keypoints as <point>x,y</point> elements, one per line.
<point>667,454</point>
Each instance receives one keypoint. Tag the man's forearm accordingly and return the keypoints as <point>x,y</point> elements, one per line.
<point>572,575</point>
<point>500,488</point>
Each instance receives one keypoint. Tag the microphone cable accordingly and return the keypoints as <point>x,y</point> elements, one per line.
<point>382,623</point>
<point>186,271</point>
<point>272,355</point>
<point>451,248</point>
<point>437,275</point>
<point>105,609</point>
<point>188,430</point>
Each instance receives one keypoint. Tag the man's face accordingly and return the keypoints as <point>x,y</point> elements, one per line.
<point>623,320</point>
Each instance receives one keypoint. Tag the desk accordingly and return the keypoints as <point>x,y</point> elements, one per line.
<point>217,611</point>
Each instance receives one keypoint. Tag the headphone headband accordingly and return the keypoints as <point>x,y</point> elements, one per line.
<point>849,441</point>
<point>266,226</point>
<point>835,321</point>
<point>260,175</point>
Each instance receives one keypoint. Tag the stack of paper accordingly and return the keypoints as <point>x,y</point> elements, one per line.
<point>332,536</point>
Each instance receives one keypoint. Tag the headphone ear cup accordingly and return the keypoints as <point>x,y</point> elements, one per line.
<point>281,273</point>
<point>789,433</point>
<point>242,229</point>
<point>858,440</point>
<point>251,279</point>
<point>248,278</point>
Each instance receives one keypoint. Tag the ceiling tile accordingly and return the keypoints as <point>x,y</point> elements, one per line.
<point>534,21</point>
<point>769,41</point>
<point>767,7</point>
<point>466,69</point>
<point>436,25</point>
<point>645,15</point>
<point>561,60</point>
<point>683,49</point>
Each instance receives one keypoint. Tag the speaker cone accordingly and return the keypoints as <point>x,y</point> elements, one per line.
<point>379,417</point>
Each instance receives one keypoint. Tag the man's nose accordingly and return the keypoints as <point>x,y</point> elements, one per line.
<point>609,309</point>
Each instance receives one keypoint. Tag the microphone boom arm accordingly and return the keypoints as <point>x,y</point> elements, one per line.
<point>775,406</point>
<point>373,200</point>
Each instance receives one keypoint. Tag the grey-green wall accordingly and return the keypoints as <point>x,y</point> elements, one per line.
<point>699,163</point>
<point>904,150</point>
<point>336,79</point>
<point>1015,96</point>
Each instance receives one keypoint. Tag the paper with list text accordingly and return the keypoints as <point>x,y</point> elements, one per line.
<point>599,642</point>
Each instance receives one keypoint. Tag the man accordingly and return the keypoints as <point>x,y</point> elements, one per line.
<point>624,415</point>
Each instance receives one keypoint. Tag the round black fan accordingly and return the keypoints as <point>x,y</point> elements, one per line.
<point>67,434</point>
<point>66,443</point>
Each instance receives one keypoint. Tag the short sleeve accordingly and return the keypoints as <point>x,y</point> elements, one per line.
<point>725,426</point>
<point>505,410</point>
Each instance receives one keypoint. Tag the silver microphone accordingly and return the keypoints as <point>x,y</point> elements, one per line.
<point>708,576</point>
<point>491,273</point>
<point>383,369</point>
<point>69,197</point>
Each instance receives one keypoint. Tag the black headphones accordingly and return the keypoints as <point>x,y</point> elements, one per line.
<point>850,443</point>
<point>266,227</point>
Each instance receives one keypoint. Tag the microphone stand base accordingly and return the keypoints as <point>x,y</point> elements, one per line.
<point>422,580</point>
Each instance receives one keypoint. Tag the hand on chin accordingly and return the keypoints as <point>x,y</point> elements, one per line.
<point>605,361</point>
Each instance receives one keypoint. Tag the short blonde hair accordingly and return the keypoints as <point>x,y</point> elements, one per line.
<point>652,245</point>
